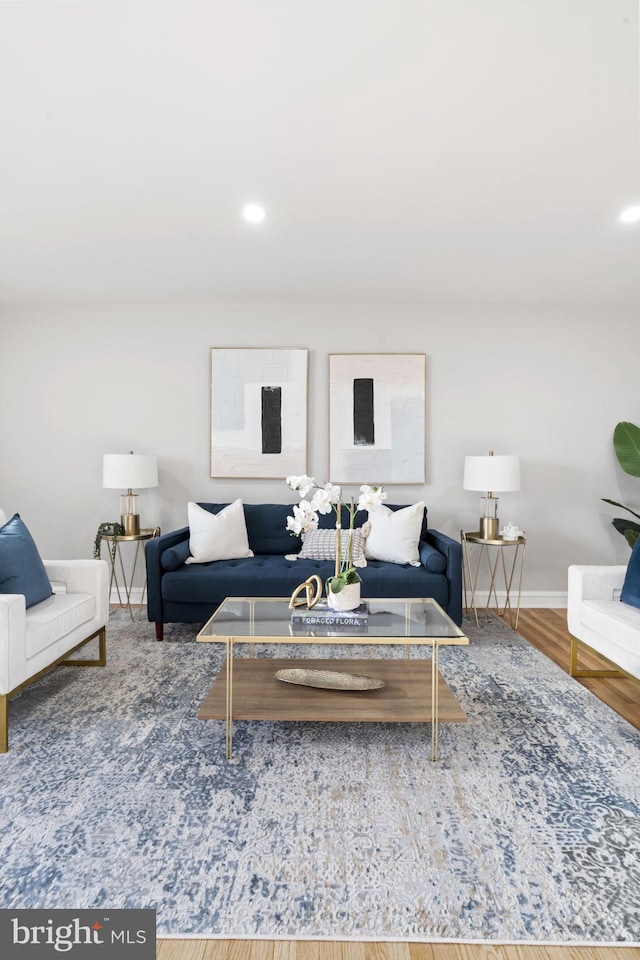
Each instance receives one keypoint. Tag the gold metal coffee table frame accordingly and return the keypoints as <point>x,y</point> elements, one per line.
<point>404,622</point>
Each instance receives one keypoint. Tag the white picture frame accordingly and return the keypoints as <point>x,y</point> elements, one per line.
<point>258,412</point>
<point>377,418</point>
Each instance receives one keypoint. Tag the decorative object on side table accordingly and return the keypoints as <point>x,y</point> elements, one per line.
<point>113,529</point>
<point>126,471</point>
<point>343,589</point>
<point>492,473</point>
<point>511,532</point>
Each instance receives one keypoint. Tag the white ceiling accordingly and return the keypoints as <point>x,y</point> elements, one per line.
<point>406,150</point>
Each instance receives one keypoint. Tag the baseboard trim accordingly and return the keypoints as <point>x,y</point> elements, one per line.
<point>549,599</point>
<point>135,597</point>
<point>529,598</point>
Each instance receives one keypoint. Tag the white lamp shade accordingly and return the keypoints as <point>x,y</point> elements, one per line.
<point>129,471</point>
<point>494,474</point>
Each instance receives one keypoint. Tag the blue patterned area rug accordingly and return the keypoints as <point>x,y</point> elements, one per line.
<point>528,829</point>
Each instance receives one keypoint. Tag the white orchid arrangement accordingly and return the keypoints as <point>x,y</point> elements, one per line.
<point>325,499</point>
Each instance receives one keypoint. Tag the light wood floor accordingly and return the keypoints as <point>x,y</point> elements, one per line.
<point>334,950</point>
<point>546,630</point>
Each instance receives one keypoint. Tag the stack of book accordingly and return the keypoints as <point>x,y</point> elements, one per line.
<point>323,617</point>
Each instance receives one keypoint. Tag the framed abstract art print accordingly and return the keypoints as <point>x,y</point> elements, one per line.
<point>258,412</point>
<point>377,417</point>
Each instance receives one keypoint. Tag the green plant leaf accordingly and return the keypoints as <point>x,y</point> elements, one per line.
<point>351,576</point>
<point>614,503</point>
<point>626,528</point>
<point>626,443</point>
<point>335,584</point>
<point>631,536</point>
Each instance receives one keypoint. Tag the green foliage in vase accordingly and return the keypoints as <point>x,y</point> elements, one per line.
<point>626,443</point>
<point>336,584</point>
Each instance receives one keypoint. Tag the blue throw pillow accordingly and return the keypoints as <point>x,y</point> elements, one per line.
<point>174,557</point>
<point>431,559</point>
<point>21,569</point>
<point>631,586</point>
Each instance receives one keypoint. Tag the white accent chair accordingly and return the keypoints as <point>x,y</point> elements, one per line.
<point>34,640</point>
<point>597,619</point>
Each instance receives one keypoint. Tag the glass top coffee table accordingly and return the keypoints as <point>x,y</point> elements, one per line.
<point>413,691</point>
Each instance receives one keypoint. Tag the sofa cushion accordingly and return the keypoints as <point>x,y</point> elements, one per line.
<point>21,569</point>
<point>266,526</point>
<point>55,618</point>
<point>217,537</point>
<point>618,624</point>
<point>631,586</point>
<point>394,535</point>
<point>271,576</point>
<point>267,529</point>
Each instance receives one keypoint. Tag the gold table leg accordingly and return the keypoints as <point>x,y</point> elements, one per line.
<point>508,582</point>
<point>229,699</point>
<point>434,700</point>
<point>113,578</point>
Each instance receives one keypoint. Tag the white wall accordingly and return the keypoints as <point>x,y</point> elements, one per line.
<point>547,384</point>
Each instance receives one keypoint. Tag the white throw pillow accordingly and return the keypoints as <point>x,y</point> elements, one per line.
<point>217,536</point>
<point>395,534</point>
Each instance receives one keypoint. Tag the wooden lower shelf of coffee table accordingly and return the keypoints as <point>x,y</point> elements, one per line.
<point>405,697</point>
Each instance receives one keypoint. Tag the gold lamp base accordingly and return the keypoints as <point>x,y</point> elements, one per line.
<point>489,528</point>
<point>131,524</point>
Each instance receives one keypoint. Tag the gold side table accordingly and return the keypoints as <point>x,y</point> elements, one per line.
<point>493,553</point>
<point>116,561</point>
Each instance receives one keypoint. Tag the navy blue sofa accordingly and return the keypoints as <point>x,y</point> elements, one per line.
<point>190,593</point>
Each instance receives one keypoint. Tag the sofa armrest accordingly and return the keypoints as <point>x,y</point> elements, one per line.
<point>591,583</point>
<point>13,627</point>
<point>154,549</point>
<point>452,551</point>
<point>84,576</point>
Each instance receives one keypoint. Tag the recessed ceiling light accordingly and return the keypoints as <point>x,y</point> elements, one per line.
<point>254,213</point>
<point>630,215</point>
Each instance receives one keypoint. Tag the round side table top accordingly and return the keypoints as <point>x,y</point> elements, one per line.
<point>499,542</point>
<point>146,533</point>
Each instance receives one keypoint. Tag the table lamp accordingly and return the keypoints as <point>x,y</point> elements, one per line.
<point>124,471</point>
<point>491,473</point>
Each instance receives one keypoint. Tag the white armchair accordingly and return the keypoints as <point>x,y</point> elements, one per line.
<point>34,640</point>
<point>597,619</point>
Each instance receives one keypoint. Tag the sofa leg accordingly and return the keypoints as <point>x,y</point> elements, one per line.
<point>159,630</point>
<point>102,652</point>
<point>4,723</point>
<point>576,671</point>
